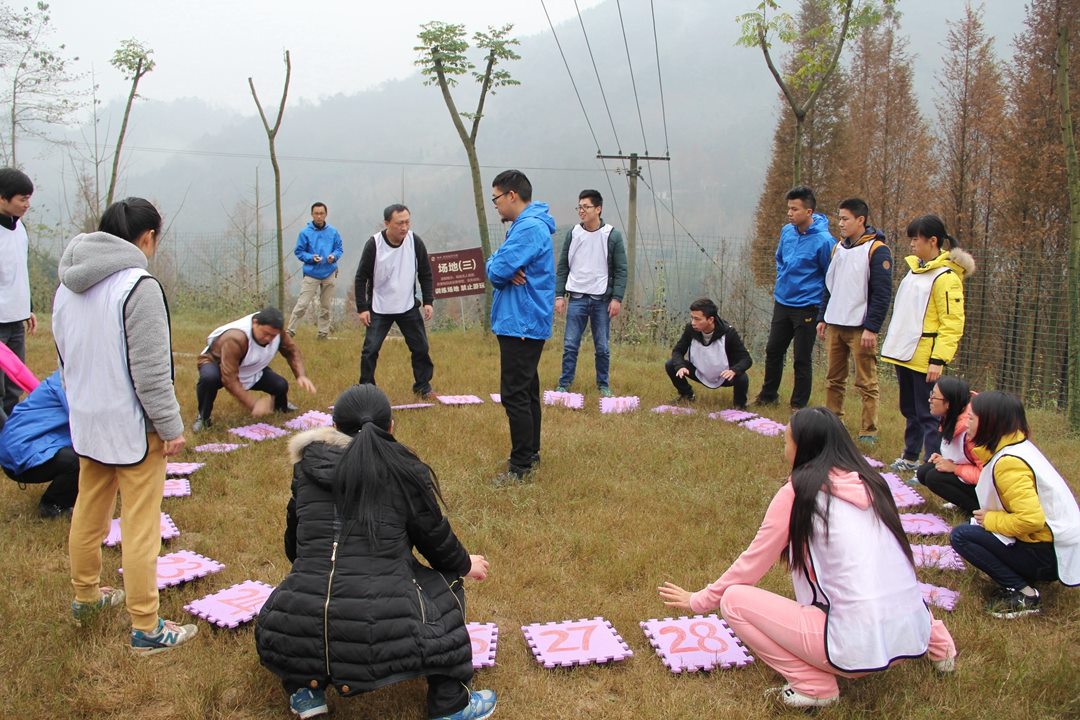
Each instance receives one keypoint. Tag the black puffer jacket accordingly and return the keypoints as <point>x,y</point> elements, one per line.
<point>370,615</point>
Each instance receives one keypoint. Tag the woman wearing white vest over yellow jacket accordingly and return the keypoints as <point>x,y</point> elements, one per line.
<point>111,327</point>
<point>925,330</point>
<point>1027,528</point>
<point>857,606</point>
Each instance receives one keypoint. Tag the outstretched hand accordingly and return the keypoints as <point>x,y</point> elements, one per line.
<point>479,569</point>
<point>674,596</point>
<point>305,383</point>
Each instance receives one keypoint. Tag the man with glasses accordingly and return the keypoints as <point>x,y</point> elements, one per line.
<point>592,269</point>
<point>522,273</point>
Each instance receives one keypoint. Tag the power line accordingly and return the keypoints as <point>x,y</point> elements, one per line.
<point>685,229</point>
<point>633,82</point>
<point>596,70</point>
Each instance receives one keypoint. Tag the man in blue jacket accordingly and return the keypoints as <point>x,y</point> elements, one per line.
<point>319,248</point>
<point>522,272</point>
<point>802,258</point>
<point>35,447</point>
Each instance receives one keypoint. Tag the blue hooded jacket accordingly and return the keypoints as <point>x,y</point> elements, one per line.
<point>801,262</point>
<point>323,242</point>
<point>525,311</point>
<point>37,429</point>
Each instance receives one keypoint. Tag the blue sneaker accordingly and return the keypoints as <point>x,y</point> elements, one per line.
<point>83,612</point>
<point>167,636</point>
<point>308,703</point>
<point>605,391</point>
<point>481,705</point>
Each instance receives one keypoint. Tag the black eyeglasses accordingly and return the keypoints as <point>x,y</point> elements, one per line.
<point>495,200</point>
<point>939,398</point>
<point>580,208</point>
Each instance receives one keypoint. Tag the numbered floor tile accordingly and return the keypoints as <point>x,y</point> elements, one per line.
<point>942,557</point>
<point>168,530</point>
<point>183,566</point>
<point>460,400</point>
<point>177,487</point>
<point>924,524</point>
<point>258,432</point>
<point>575,642</point>
<point>484,638</point>
<point>232,606</point>
<point>941,597</point>
<point>182,469</point>
<point>696,643</point>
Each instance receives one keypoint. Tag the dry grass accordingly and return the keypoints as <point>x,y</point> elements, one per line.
<point>620,504</point>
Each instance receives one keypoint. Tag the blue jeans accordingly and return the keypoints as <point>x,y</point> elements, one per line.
<point>1012,566</point>
<point>578,312</point>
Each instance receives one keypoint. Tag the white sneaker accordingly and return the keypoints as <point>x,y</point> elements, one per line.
<point>945,665</point>
<point>795,699</point>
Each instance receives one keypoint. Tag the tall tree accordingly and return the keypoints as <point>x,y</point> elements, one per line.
<point>816,51</point>
<point>442,59</point>
<point>1065,28</point>
<point>271,138</point>
<point>133,59</point>
<point>37,80</point>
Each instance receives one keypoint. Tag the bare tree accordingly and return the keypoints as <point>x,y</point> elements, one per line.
<point>441,59</point>
<point>271,137</point>
<point>1065,29</point>
<point>132,58</point>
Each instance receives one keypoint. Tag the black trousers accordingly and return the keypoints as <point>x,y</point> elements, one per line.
<point>206,389</point>
<point>411,324</point>
<point>790,323</point>
<point>949,487</point>
<point>62,474</point>
<point>12,334</point>
<point>741,383</point>
<point>519,384</point>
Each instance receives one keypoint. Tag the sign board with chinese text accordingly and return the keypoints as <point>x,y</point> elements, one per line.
<point>458,273</point>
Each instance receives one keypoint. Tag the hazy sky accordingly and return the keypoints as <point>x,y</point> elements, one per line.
<point>207,49</point>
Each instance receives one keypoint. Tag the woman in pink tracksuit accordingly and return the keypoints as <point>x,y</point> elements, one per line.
<point>858,606</point>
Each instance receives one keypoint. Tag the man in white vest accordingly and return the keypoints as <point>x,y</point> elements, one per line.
<point>709,352</point>
<point>237,357</point>
<point>592,270</point>
<point>858,290</point>
<point>15,316</point>
<point>390,265</point>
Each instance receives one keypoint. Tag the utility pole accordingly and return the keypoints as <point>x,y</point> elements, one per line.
<point>631,231</point>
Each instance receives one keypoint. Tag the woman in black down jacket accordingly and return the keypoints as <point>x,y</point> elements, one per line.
<point>358,611</point>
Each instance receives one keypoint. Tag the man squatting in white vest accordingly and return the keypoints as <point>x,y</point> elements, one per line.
<point>592,269</point>
<point>237,357</point>
<point>391,263</point>
<point>858,291</point>
<point>709,352</point>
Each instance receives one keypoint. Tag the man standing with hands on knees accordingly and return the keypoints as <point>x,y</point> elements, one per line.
<point>522,272</point>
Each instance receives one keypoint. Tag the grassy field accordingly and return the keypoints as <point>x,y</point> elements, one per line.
<point>620,504</point>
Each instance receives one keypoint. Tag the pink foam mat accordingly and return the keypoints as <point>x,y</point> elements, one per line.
<point>460,400</point>
<point>183,566</point>
<point>496,397</point>
<point>575,642</point>
<point>219,447</point>
<point>765,426</point>
<point>168,530</point>
<point>484,638</point>
<point>177,487</point>
<point>232,606</point>
<point>903,494</point>
<point>699,643</point>
<point>942,557</point>
<point>572,400</point>
<point>673,410</point>
<point>181,469</point>
<point>732,415</point>
<point>310,419</point>
<point>941,597</point>
<point>411,406</point>
<point>924,524</point>
<point>258,432</point>
<point>873,463</point>
<point>622,404</point>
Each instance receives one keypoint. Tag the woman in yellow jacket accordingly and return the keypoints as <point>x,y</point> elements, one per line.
<point>1027,528</point>
<point>925,330</point>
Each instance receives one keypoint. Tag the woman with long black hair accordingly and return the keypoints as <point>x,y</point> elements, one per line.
<point>858,606</point>
<point>952,471</point>
<point>358,611</point>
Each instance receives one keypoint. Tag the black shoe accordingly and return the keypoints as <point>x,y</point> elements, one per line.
<point>766,402</point>
<point>322,336</point>
<point>737,406</point>
<point>1014,604</point>
<point>512,477</point>
<point>49,511</point>
<point>201,424</point>
<point>428,395</point>
<point>685,399</point>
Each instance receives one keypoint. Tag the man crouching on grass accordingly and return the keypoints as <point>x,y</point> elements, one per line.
<point>709,352</point>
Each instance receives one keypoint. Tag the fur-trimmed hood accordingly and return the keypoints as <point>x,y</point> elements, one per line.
<point>328,435</point>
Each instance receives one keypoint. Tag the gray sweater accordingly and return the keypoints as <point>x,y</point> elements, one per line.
<point>90,258</point>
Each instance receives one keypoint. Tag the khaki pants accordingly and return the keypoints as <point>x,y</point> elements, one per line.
<point>308,289</point>
<point>843,343</point>
<point>141,487</point>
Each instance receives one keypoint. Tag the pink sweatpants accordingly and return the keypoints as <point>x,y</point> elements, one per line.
<point>790,638</point>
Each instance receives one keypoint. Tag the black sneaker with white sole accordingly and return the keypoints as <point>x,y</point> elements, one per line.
<point>1014,604</point>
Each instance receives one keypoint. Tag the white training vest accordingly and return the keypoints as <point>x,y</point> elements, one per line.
<point>875,612</point>
<point>954,449</point>
<point>588,259</point>
<point>14,276</point>
<point>394,280</point>
<point>1058,504</point>
<point>909,313</point>
<point>709,361</point>
<point>848,281</point>
<point>107,420</point>
<point>257,357</point>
